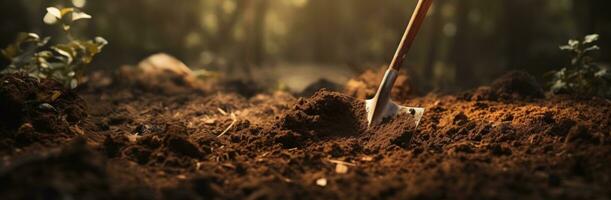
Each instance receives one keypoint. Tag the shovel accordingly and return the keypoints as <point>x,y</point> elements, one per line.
<point>380,106</point>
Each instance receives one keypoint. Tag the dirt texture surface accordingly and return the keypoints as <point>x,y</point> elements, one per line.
<point>503,142</point>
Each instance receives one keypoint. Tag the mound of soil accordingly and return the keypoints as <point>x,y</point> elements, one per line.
<point>330,115</point>
<point>37,111</point>
<point>325,114</point>
<point>515,85</point>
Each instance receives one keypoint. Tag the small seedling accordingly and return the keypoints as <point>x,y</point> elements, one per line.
<point>583,76</point>
<point>63,62</point>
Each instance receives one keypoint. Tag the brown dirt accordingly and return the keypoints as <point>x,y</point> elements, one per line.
<point>39,112</point>
<point>213,145</point>
<point>515,85</point>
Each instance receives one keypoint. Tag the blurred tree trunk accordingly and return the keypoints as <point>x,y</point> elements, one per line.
<point>460,55</point>
<point>435,37</point>
<point>323,20</point>
<point>519,21</point>
<point>254,24</point>
<point>227,25</point>
<point>258,37</point>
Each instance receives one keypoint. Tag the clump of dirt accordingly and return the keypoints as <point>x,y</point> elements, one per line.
<point>325,114</point>
<point>165,145</point>
<point>515,85</point>
<point>37,110</point>
<point>365,85</point>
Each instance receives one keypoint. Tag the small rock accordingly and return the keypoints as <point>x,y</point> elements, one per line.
<point>182,177</point>
<point>322,182</point>
<point>341,168</point>
<point>367,158</point>
<point>47,107</point>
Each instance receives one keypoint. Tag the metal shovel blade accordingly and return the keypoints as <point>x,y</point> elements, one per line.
<point>393,109</point>
<point>381,107</point>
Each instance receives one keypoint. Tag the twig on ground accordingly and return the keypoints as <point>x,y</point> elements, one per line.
<point>341,162</point>
<point>223,112</point>
<point>235,119</point>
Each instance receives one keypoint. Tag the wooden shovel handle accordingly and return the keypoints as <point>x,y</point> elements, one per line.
<point>410,33</point>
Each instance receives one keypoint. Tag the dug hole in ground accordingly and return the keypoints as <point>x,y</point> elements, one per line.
<point>127,137</point>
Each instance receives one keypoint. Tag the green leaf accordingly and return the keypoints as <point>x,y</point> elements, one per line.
<point>45,54</point>
<point>591,38</point>
<point>55,12</point>
<point>601,73</point>
<point>566,48</point>
<point>574,43</point>
<point>61,62</point>
<point>559,84</point>
<point>50,19</point>
<point>30,37</point>
<point>77,15</point>
<point>66,52</point>
<point>101,41</point>
<point>592,48</point>
<point>10,52</point>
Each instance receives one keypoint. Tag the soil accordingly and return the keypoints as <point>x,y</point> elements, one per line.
<point>125,143</point>
<point>515,85</point>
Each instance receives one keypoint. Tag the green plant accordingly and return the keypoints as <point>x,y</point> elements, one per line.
<point>62,62</point>
<point>583,76</point>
